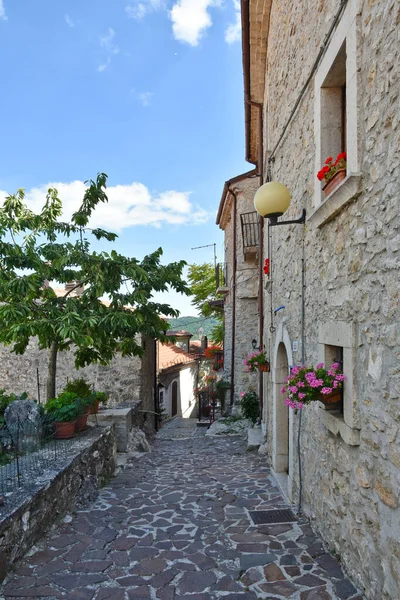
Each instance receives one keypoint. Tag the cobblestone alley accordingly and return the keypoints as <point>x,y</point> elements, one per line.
<point>174,525</point>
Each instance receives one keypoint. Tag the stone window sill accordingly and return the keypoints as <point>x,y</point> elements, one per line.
<point>346,191</point>
<point>334,422</point>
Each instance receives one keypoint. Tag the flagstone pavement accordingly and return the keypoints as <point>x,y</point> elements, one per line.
<point>175,525</point>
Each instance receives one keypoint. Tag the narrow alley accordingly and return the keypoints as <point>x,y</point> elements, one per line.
<point>177,523</point>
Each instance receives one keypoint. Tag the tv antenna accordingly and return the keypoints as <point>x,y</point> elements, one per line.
<point>209,246</point>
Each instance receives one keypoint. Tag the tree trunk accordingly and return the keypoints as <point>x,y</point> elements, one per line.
<point>52,370</point>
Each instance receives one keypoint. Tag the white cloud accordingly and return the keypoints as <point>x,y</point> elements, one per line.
<point>3,15</point>
<point>139,9</point>
<point>145,98</point>
<point>104,66</point>
<point>107,42</point>
<point>69,21</point>
<point>190,19</point>
<point>128,205</point>
<point>233,33</point>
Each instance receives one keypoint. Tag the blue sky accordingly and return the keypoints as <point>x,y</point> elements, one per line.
<point>149,92</point>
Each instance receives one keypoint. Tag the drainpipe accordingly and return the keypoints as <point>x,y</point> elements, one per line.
<point>260,168</point>
<point>234,224</point>
<point>156,407</point>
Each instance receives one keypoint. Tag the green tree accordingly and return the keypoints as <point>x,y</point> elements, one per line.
<point>35,249</point>
<point>203,287</point>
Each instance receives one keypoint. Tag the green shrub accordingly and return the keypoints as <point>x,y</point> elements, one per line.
<point>222,386</point>
<point>100,396</point>
<point>250,404</point>
<point>80,387</point>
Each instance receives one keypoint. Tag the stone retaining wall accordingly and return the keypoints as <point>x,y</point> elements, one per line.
<point>29,513</point>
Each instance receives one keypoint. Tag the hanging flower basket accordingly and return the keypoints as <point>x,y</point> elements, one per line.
<point>257,361</point>
<point>264,367</point>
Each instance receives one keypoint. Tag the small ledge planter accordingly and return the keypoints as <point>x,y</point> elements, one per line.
<point>331,400</point>
<point>64,430</point>
<point>334,181</point>
<point>81,422</point>
<point>93,408</point>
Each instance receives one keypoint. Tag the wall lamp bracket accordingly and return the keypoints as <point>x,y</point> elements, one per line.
<point>273,219</point>
<point>254,345</point>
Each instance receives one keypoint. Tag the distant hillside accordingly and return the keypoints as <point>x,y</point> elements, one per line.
<point>192,324</point>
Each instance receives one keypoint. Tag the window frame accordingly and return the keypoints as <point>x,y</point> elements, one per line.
<point>345,34</point>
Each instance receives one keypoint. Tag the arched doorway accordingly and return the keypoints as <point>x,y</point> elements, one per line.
<point>280,450</point>
<point>174,406</point>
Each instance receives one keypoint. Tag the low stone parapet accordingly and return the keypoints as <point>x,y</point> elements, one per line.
<point>28,513</point>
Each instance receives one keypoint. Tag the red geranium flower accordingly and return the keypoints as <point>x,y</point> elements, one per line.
<point>266,266</point>
<point>328,160</point>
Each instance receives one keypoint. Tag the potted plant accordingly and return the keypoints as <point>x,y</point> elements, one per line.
<point>257,360</point>
<point>333,172</point>
<point>83,413</point>
<point>309,384</point>
<point>63,412</point>
<point>96,398</point>
<point>250,404</point>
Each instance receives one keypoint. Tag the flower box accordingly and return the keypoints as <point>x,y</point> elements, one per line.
<point>334,181</point>
<point>331,400</point>
<point>309,384</point>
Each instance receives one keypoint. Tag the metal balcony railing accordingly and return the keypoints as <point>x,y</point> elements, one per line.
<point>250,230</point>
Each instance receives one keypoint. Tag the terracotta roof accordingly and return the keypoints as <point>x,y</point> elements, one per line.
<point>180,333</point>
<point>170,355</point>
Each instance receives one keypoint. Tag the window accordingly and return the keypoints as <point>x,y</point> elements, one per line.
<point>336,116</point>
<point>334,354</point>
<point>333,108</point>
<point>337,341</point>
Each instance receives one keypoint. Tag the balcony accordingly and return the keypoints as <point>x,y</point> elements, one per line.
<point>250,234</point>
<point>221,278</point>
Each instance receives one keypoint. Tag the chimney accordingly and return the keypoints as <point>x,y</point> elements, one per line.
<point>204,343</point>
<point>78,291</point>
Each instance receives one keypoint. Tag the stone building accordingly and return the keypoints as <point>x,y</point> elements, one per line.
<point>239,286</point>
<point>321,78</point>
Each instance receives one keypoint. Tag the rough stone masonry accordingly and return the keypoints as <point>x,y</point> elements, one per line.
<point>176,526</point>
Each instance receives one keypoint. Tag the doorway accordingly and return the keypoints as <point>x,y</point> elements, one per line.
<point>281,425</point>
<point>174,406</point>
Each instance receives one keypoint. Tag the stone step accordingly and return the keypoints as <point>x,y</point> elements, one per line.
<point>254,438</point>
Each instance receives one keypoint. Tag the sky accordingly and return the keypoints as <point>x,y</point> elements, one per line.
<point>148,92</point>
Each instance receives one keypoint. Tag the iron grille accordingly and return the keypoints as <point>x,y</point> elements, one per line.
<point>261,517</point>
<point>250,229</point>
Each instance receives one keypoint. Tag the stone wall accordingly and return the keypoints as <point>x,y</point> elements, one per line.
<point>246,294</point>
<point>351,487</point>
<point>27,515</point>
<point>126,378</point>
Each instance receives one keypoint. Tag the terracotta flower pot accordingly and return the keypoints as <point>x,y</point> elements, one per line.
<point>93,408</point>
<point>265,367</point>
<point>64,429</point>
<point>81,422</point>
<point>334,181</point>
<point>331,399</point>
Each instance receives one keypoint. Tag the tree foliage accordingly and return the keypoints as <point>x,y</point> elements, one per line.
<point>203,287</point>
<point>40,248</point>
